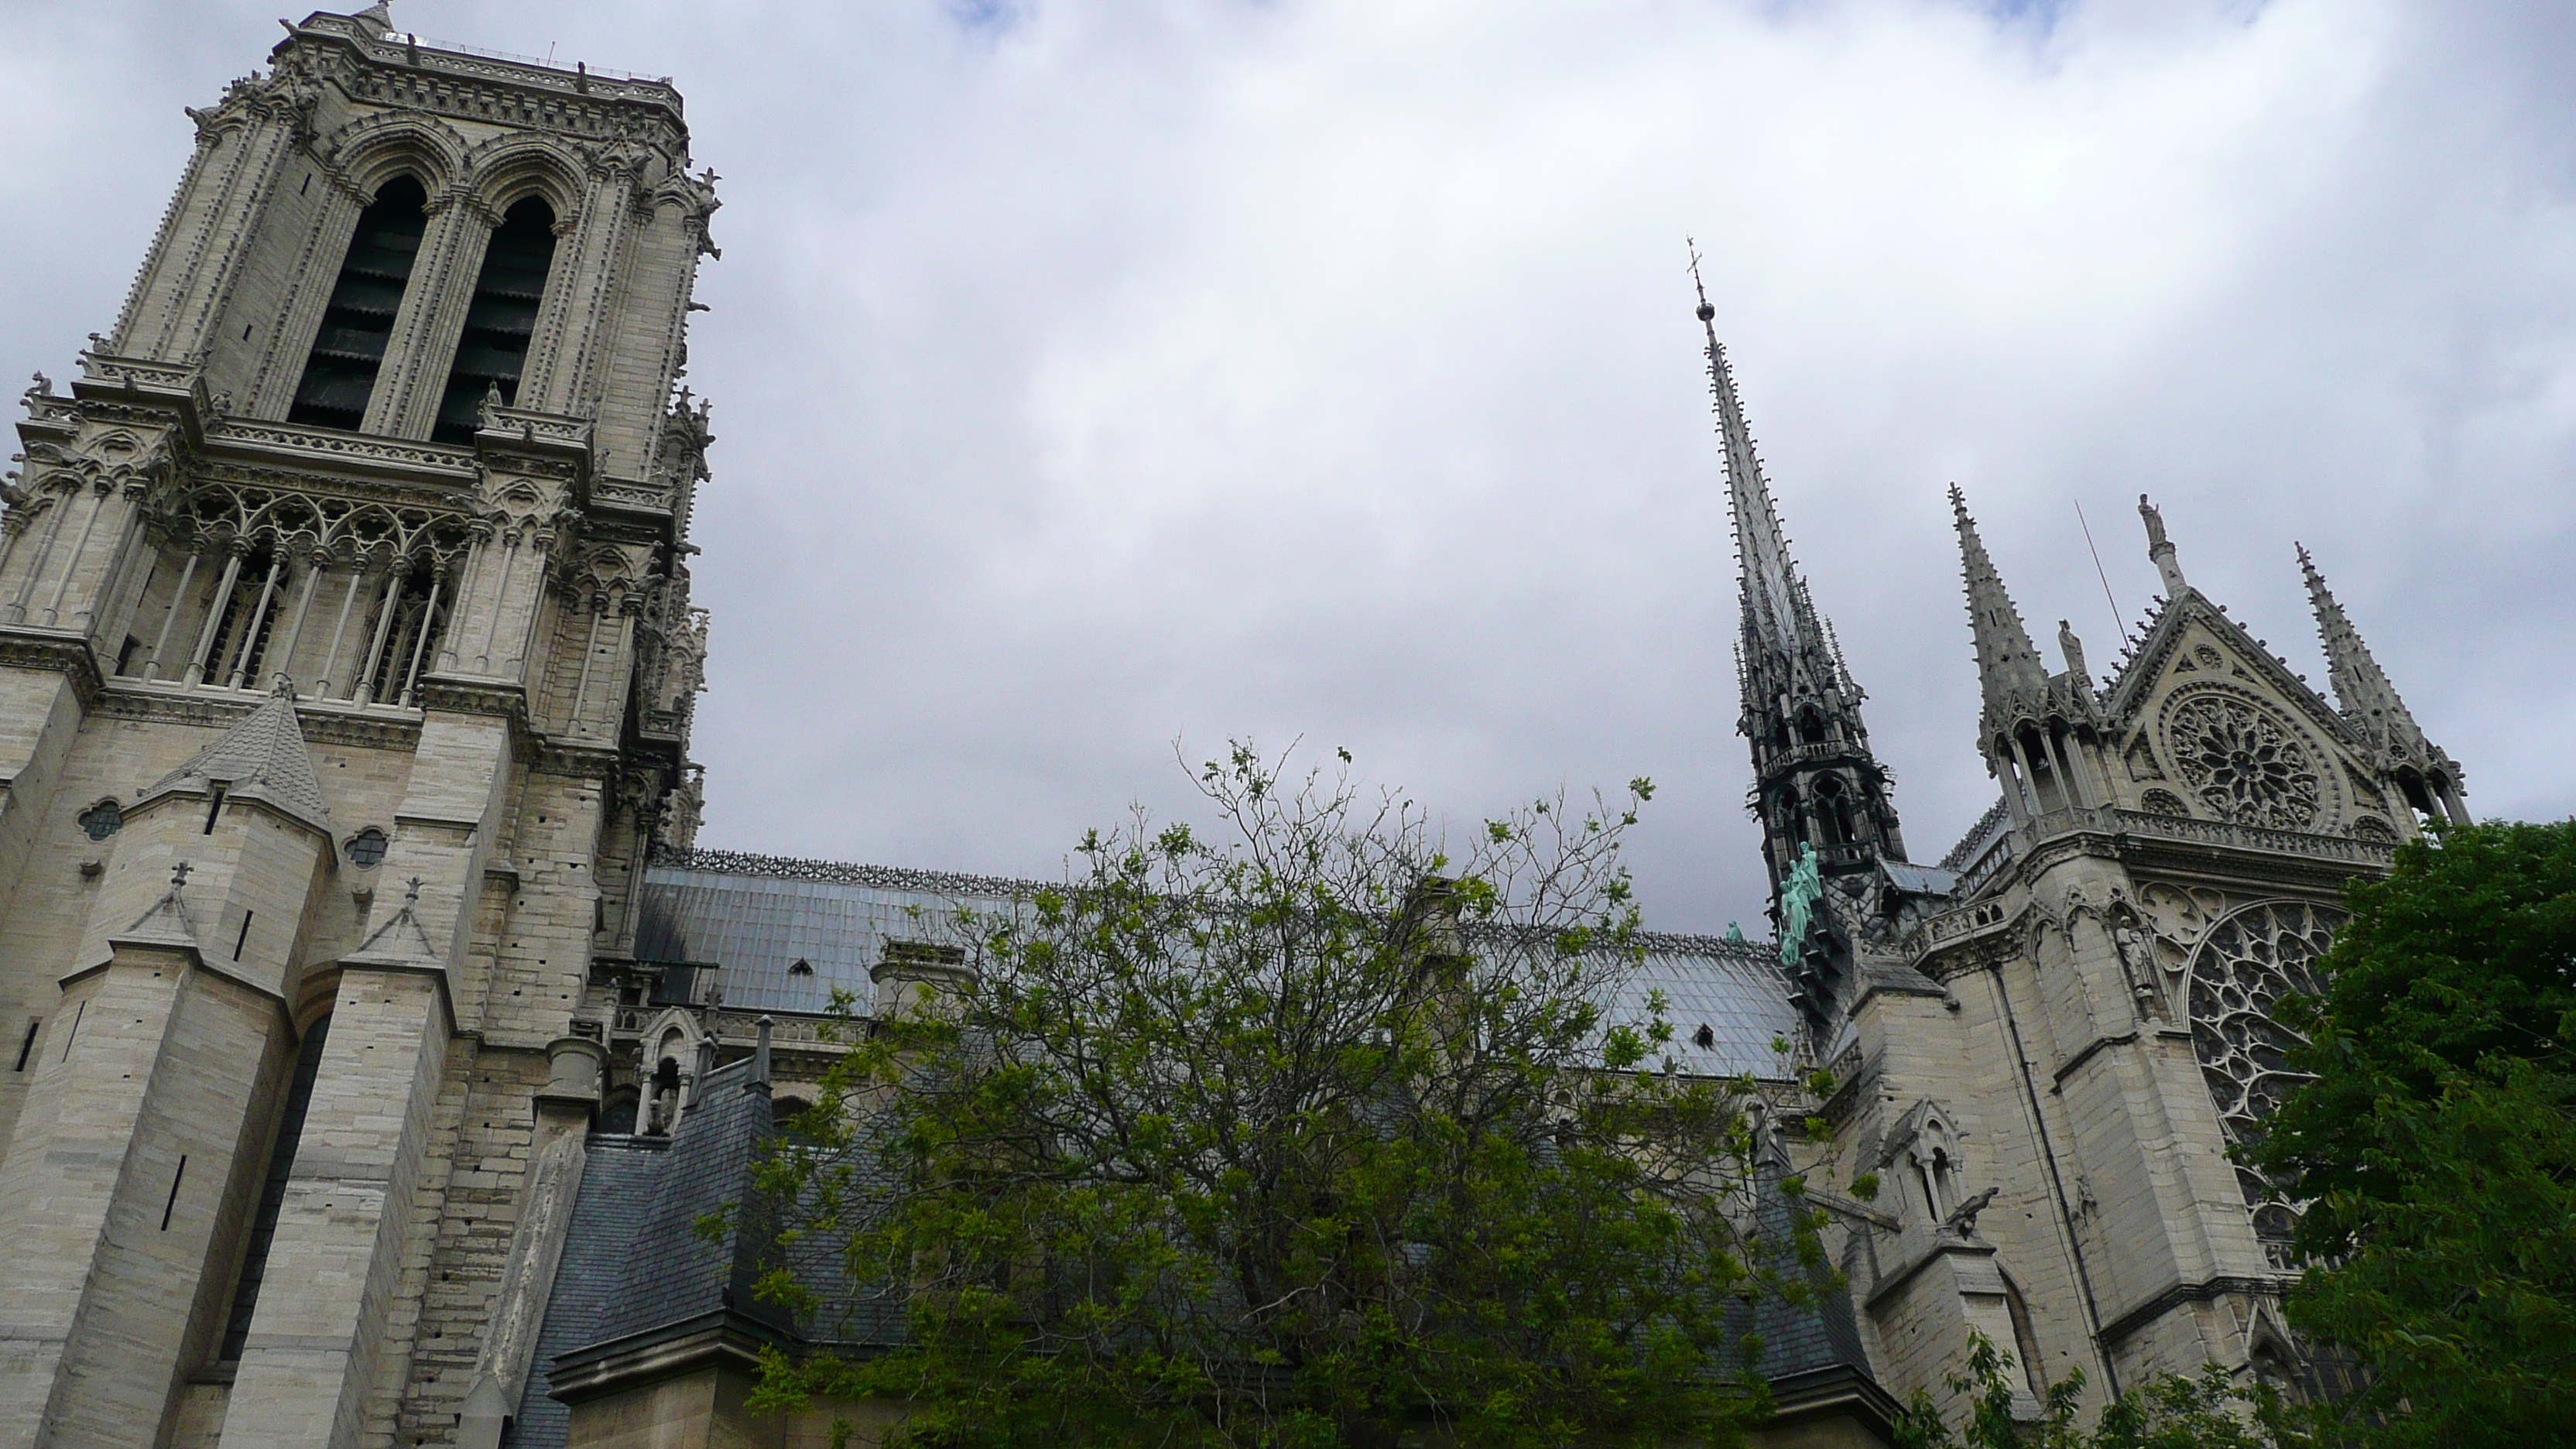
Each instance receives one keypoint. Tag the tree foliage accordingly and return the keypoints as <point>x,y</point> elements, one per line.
<point>1289,1134</point>
<point>2437,1141</point>
<point>2207,1410</point>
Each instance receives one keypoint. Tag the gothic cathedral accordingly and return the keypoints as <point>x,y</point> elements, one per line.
<point>380,1038</point>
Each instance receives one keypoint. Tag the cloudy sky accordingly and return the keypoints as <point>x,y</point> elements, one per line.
<point>1091,376</point>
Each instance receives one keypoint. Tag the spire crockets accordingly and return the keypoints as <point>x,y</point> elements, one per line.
<point>2008,666</point>
<point>1815,783</point>
<point>2040,733</point>
<point>2370,703</point>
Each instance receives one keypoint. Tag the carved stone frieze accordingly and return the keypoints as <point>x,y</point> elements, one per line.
<point>421,76</point>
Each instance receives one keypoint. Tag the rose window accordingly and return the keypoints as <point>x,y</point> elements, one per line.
<point>2243,763</point>
<point>2244,966</point>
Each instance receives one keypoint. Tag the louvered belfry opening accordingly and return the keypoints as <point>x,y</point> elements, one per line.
<point>494,350</point>
<point>341,374</point>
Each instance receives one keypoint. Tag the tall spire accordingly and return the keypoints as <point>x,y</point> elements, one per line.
<point>2429,778</point>
<point>1777,613</point>
<point>2007,664</point>
<point>1816,785</point>
<point>2369,701</point>
<point>2041,733</point>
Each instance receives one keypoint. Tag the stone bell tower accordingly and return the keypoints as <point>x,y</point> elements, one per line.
<point>346,668</point>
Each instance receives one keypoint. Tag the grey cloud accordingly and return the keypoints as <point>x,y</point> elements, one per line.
<point>1091,375</point>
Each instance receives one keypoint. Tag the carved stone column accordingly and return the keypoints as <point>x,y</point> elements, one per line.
<point>432,316</point>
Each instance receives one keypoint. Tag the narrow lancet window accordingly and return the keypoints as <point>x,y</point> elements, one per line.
<point>340,376</point>
<point>494,350</point>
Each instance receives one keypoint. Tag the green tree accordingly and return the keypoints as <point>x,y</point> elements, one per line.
<point>2206,1410</point>
<point>2437,1141</point>
<point>1291,1134</point>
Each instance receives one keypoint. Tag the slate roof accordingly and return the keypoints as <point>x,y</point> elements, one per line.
<point>757,926</point>
<point>634,1261</point>
<point>589,1280</point>
<point>1734,989</point>
<point>1919,880</point>
<point>1803,1344</point>
<point>262,758</point>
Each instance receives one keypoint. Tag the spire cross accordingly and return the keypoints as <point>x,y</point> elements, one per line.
<point>179,875</point>
<point>412,895</point>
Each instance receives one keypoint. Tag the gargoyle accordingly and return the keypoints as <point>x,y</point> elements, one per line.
<point>1963,1218</point>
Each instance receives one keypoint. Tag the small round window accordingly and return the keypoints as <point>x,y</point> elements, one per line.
<point>366,849</point>
<point>102,820</point>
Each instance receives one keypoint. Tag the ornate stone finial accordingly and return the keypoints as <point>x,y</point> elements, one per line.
<point>411,892</point>
<point>283,687</point>
<point>179,876</point>
<point>2161,549</point>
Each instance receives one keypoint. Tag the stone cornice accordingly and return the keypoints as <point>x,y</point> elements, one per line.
<point>2175,1296</point>
<point>2162,845</point>
<point>61,651</point>
<point>579,760</point>
<point>433,469</point>
<point>377,727</point>
<point>724,1336</point>
<point>495,89</point>
<point>459,694</point>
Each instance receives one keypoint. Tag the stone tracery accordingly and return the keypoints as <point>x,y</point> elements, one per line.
<point>2244,966</point>
<point>2243,763</point>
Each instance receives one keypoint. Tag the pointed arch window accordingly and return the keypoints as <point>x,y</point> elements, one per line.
<point>1833,811</point>
<point>493,352</point>
<point>340,374</point>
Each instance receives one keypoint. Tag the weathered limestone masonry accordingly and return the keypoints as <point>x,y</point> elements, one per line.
<point>346,668</point>
<point>2046,1045</point>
